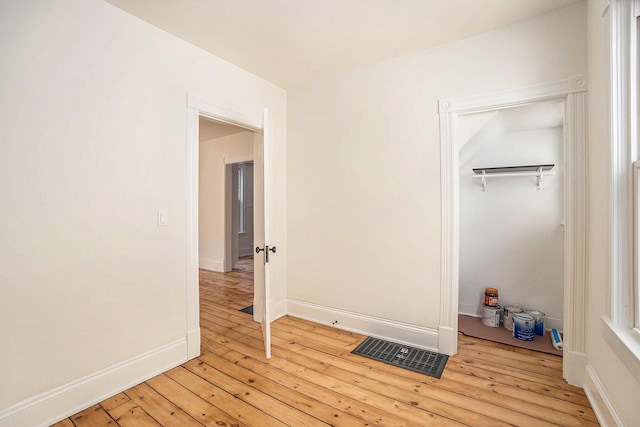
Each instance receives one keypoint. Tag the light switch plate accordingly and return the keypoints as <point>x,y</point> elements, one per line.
<point>163,217</point>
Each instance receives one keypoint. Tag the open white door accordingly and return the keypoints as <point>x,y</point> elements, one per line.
<point>262,238</point>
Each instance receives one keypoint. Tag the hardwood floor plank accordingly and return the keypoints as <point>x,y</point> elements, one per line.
<point>161,409</point>
<point>190,403</point>
<point>537,358</point>
<point>251,395</point>
<point>316,413</point>
<point>114,401</point>
<point>93,416</point>
<point>413,397</point>
<point>507,362</point>
<point>237,408</point>
<point>516,372</point>
<point>131,415</point>
<point>64,423</point>
<point>553,391</point>
<point>467,339</point>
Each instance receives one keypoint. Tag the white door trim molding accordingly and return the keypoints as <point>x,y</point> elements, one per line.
<point>197,107</point>
<point>573,92</point>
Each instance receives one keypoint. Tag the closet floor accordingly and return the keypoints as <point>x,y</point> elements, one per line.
<point>473,327</point>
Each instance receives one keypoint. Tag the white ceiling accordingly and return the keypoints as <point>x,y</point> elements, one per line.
<point>293,42</point>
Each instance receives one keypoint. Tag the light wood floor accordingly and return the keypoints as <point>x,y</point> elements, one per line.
<point>313,380</point>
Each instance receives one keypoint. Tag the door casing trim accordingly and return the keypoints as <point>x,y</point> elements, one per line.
<point>196,107</point>
<point>573,91</point>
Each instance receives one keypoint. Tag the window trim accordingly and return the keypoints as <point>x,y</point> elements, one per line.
<point>636,248</point>
<point>241,202</point>
<point>620,330</point>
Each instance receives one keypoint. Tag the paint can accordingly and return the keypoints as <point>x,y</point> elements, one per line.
<point>490,316</point>
<point>538,316</point>
<point>491,297</point>
<point>508,313</point>
<point>524,326</point>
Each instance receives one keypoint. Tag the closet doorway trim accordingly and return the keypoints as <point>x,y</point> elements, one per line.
<point>573,91</point>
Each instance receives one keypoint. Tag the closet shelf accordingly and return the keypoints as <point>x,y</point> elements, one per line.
<point>538,171</point>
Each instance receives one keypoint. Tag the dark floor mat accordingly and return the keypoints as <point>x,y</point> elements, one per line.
<point>414,359</point>
<point>248,310</point>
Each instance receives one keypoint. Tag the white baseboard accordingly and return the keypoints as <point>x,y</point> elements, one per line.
<point>469,310</point>
<point>211,264</point>
<point>575,365</point>
<point>193,343</point>
<point>399,332</point>
<point>59,403</point>
<point>278,309</point>
<point>447,340</point>
<point>600,402</point>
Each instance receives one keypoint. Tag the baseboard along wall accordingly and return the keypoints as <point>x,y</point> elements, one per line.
<point>59,403</point>
<point>399,332</point>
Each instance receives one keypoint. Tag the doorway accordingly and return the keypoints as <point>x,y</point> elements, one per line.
<point>258,128</point>
<point>239,235</point>
<point>512,198</point>
<point>572,92</point>
<point>225,210</point>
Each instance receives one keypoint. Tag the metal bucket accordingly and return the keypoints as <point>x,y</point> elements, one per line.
<point>509,311</point>
<point>524,326</point>
<point>538,316</point>
<point>490,316</point>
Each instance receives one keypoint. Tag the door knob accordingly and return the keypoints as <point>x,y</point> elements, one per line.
<point>266,250</point>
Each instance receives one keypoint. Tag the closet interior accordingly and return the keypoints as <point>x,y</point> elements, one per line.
<point>511,181</point>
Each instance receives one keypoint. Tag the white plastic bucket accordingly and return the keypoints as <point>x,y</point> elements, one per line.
<point>490,316</point>
<point>524,326</point>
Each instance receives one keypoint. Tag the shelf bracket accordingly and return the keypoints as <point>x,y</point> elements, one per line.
<point>540,175</point>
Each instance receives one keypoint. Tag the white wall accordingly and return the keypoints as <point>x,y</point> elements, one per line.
<point>211,232</point>
<point>364,168</point>
<point>93,132</point>
<point>511,235</point>
<point>618,387</point>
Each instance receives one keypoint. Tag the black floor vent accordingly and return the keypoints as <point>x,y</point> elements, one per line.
<point>414,359</point>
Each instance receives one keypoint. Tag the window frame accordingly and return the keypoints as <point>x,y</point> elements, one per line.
<point>622,320</point>
<point>635,142</point>
<point>241,202</point>
<point>636,249</point>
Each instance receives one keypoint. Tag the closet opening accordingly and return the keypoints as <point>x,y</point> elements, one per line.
<point>511,176</point>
